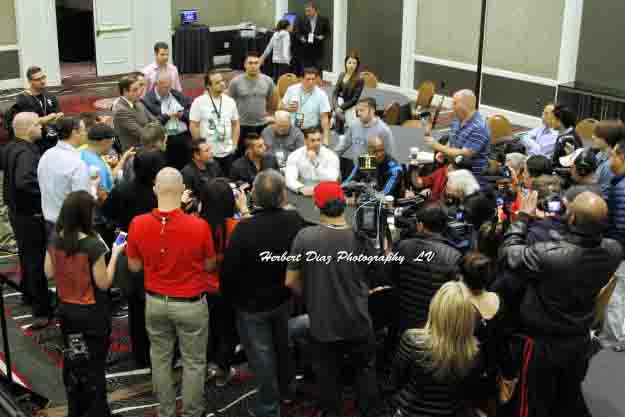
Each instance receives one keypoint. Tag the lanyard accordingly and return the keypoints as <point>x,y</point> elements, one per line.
<point>42,104</point>
<point>303,102</point>
<point>221,101</point>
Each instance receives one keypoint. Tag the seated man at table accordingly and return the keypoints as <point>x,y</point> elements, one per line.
<point>388,172</point>
<point>354,143</point>
<point>281,136</point>
<point>311,164</point>
<point>256,159</point>
<point>202,167</point>
<point>308,104</point>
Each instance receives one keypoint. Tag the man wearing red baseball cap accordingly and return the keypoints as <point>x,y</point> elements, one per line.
<point>336,294</point>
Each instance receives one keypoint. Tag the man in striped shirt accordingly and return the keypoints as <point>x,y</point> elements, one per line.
<point>469,135</point>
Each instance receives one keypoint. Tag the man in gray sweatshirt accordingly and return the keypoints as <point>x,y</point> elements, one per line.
<point>368,125</point>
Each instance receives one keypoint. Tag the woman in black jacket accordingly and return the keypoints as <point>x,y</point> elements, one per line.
<point>434,365</point>
<point>347,91</point>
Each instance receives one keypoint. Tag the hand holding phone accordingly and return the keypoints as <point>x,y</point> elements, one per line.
<point>120,240</point>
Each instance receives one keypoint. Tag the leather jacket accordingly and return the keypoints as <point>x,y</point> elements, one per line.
<point>564,274</point>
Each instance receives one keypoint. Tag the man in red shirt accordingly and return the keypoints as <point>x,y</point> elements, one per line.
<point>176,253</point>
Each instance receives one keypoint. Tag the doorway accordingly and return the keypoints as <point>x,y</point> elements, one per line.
<point>75,31</point>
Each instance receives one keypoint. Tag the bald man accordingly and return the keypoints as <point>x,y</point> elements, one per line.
<point>176,253</point>
<point>564,277</point>
<point>469,135</point>
<point>281,138</point>
<point>171,108</point>
<point>23,198</point>
<point>388,172</point>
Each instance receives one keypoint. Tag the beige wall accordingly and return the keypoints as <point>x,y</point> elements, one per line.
<point>521,36</point>
<point>260,12</point>
<point>212,12</point>
<point>8,34</point>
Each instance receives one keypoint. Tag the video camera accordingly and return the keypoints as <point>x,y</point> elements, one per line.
<point>374,209</point>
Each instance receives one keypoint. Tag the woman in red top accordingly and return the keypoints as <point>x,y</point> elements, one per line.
<point>220,208</point>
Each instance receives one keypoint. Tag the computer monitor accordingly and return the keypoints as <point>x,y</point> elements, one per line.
<point>291,17</point>
<point>188,16</point>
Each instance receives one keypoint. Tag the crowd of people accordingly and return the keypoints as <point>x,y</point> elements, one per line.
<point>501,322</point>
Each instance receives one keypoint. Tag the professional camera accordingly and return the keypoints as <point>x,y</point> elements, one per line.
<point>459,231</point>
<point>77,352</point>
<point>553,204</point>
<point>370,216</point>
<point>76,361</point>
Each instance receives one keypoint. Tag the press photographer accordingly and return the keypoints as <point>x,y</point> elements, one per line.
<point>468,208</point>
<point>581,166</point>
<point>435,181</point>
<point>564,276</point>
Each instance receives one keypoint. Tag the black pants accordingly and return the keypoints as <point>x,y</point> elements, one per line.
<point>331,358</point>
<point>279,70</point>
<point>312,58</point>
<point>31,237</point>
<point>223,337</point>
<point>178,150</point>
<point>87,399</point>
<point>137,330</point>
<point>553,377</point>
<point>246,130</point>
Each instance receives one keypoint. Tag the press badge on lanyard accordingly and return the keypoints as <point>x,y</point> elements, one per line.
<point>218,126</point>
<point>220,131</point>
<point>299,120</point>
<point>299,116</point>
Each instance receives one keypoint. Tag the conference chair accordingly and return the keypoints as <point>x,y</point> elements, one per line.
<point>391,114</point>
<point>412,123</point>
<point>427,89</point>
<point>371,81</point>
<point>285,81</point>
<point>586,128</point>
<point>499,127</point>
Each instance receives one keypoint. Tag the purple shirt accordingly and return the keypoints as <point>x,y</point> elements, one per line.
<point>151,72</point>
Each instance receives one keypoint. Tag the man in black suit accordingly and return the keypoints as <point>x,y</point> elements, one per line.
<point>171,108</point>
<point>312,32</point>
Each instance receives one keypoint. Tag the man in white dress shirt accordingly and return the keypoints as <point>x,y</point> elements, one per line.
<point>311,164</point>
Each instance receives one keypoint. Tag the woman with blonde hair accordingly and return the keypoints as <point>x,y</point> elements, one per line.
<point>433,365</point>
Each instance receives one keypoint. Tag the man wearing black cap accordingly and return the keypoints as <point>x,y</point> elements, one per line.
<point>99,143</point>
<point>336,295</point>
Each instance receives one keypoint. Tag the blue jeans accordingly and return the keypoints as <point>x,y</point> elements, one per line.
<point>265,338</point>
